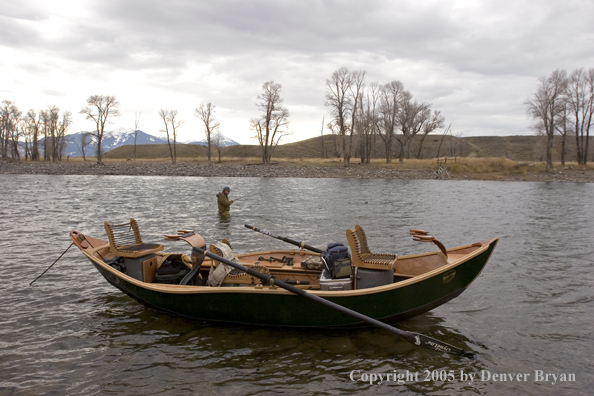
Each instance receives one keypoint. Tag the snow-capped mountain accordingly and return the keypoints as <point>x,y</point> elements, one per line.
<point>110,141</point>
<point>122,137</point>
<point>225,141</point>
<point>118,138</point>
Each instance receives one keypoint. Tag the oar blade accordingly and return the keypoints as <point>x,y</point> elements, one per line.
<point>426,342</point>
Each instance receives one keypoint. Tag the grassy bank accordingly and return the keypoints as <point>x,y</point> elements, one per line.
<point>457,169</point>
<point>455,166</point>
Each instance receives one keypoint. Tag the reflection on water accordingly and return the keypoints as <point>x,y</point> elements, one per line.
<point>72,333</point>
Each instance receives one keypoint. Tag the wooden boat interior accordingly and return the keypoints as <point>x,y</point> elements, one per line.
<point>295,266</point>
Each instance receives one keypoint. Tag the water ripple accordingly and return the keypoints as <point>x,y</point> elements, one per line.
<point>72,333</point>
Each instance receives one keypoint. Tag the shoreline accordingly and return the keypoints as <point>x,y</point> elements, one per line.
<point>355,171</point>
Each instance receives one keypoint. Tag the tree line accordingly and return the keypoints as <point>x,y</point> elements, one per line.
<point>563,104</point>
<point>268,128</point>
<point>361,112</point>
<point>30,128</point>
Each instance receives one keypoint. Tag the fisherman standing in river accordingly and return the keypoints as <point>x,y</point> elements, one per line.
<point>224,202</point>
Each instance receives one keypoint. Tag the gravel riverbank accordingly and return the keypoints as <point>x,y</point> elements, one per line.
<point>567,174</point>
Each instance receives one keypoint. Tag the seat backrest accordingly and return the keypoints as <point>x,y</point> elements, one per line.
<point>362,257</point>
<point>358,242</point>
<point>125,240</point>
<point>362,238</point>
<point>125,234</point>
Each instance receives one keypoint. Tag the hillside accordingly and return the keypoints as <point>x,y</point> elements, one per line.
<point>152,151</point>
<point>516,148</point>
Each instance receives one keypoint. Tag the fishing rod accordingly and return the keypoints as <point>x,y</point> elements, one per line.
<point>288,240</point>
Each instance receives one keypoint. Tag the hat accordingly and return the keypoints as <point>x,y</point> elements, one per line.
<point>227,189</point>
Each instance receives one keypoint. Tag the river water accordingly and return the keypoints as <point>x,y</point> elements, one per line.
<point>529,314</point>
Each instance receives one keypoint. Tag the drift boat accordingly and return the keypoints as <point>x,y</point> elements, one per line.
<point>384,287</point>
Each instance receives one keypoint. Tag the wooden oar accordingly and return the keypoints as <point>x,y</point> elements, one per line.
<point>291,241</point>
<point>414,338</point>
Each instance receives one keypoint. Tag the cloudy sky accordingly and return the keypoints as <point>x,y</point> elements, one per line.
<point>475,61</point>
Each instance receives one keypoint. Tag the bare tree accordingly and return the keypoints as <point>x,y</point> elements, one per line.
<point>217,141</point>
<point>580,100</point>
<point>338,98</point>
<point>10,120</point>
<point>564,128</point>
<point>411,117</point>
<point>33,127</point>
<point>100,109</point>
<point>172,123</point>
<point>26,133</point>
<point>391,97</point>
<point>55,132</point>
<point>136,130</point>
<point>356,89</point>
<point>44,126</point>
<point>547,105</point>
<point>366,122</point>
<point>455,142</point>
<point>86,138</point>
<point>374,119</point>
<point>432,122</point>
<point>273,123</point>
<point>52,119</point>
<point>164,114</point>
<point>447,132</point>
<point>206,113</point>
<point>61,134</point>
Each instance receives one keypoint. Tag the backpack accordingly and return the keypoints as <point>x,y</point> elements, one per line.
<point>337,260</point>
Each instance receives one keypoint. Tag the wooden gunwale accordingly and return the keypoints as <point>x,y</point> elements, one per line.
<point>186,289</point>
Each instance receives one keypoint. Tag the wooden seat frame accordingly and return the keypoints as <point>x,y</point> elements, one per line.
<point>362,257</point>
<point>125,240</point>
<point>422,236</point>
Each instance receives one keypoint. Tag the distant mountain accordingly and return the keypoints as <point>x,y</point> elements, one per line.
<point>110,141</point>
<point>225,141</point>
<point>119,138</point>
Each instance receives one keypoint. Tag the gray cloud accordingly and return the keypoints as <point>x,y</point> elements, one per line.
<point>475,61</point>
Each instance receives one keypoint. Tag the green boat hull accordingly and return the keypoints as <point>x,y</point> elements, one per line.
<point>390,304</point>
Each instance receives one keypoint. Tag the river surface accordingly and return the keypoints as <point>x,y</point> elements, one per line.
<point>529,315</point>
